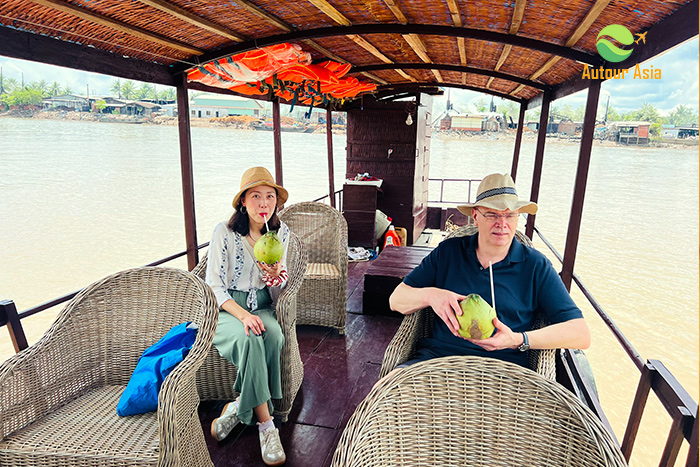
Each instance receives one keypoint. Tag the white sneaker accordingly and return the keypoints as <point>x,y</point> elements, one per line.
<point>271,447</point>
<point>222,426</point>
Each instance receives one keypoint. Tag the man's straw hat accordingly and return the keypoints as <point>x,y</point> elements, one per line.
<point>497,192</point>
<point>256,176</point>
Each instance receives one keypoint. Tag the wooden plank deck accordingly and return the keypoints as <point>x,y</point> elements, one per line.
<point>339,372</point>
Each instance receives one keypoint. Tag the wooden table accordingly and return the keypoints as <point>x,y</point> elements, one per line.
<point>385,273</point>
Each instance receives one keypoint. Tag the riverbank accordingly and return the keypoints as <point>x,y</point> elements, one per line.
<point>245,122</point>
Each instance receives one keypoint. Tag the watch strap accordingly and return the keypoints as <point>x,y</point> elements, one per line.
<point>526,343</point>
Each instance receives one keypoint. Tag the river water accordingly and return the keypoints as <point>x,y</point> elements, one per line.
<point>81,200</point>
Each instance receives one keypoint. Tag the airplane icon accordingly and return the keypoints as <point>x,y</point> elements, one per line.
<point>641,37</point>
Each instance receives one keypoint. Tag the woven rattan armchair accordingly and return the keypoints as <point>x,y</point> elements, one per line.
<point>420,324</point>
<point>473,411</point>
<point>216,376</point>
<point>58,398</point>
<point>323,298</point>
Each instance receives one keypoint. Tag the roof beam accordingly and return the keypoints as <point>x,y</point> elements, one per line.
<point>458,68</point>
<point>102,20</point>
<point>582,28</point>
<point>194,19</point>
<point>461,46</point>
<point>15,43</point>
<point>330,11</point>
<point>419,86</point>
<point>675,29</point>
<point>515,22</point>
<point>413,40</point>
<point>423,29</point>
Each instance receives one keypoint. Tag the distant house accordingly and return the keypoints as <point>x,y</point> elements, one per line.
<point>66,102</point>
<point>688,132</point>
<point>210,106</point>
<point>473,122</point>
<point>636,133</point>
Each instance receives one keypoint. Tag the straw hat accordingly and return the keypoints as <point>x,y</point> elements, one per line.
<point>256,176</point>
<point>497,192</point>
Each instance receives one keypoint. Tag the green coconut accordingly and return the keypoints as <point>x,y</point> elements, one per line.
<point>477,317</point>
<point>269,248</point>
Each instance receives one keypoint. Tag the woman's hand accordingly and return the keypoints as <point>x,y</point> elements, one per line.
<point>272,271</point>
<point>254,323</point>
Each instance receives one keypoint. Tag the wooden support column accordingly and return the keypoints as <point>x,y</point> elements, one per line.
<point>539,159</point>
<point>183,121</point>
<point>10,317</point>
<point>518,140</point>
<point>329,141</point>
<point>277,135</point>
<point>584,159</point>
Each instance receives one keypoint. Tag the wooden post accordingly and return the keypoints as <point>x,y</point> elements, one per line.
<point>277,134</point>
<point>9,316</point>
<point>183,121</point>
<point>518,141</point>
<point>584,159</point>
<point>539,158</point>
<point>329,141</point>
<point>640,402</point>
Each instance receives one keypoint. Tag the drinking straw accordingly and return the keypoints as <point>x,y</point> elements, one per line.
<point>493,295</point>
<point>266,226</point>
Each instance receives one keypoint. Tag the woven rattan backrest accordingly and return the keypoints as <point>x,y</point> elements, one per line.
<point>321,228</point>
<point>473,229</point>
<point>473,411</point>
<point>135,308</point>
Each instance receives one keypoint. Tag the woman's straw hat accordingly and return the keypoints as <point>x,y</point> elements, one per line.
<point>256,176</point>
<point>497,192</point>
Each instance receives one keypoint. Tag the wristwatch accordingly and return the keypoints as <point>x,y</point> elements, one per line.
<point>526,343</point>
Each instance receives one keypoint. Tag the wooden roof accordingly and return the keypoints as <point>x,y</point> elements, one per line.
<point>515,49</point>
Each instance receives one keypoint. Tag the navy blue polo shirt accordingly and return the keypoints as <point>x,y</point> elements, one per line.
<point>524,282</point>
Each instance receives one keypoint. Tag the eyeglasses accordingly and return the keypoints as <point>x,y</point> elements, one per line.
<point>493,217</point>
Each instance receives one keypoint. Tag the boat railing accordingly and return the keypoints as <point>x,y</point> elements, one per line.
<point>679,405</point>
<point>654,375</point>
<point>337,199</point>
<point>471,183</point>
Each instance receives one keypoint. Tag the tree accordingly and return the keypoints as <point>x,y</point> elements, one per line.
<point>100,105</point>
<point>22,97</point>
<point>167,95</point>
<point>54,88</point>
<point>480,104</point>
<point>146,91</point>
<point>682,115</point>
<point>128,90</point>
<point>646,113</point>
<point>117,89</point>
<point>68,90</point>
<point>10,84</point>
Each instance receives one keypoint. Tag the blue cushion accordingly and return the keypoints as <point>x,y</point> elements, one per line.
<point>155,364</point>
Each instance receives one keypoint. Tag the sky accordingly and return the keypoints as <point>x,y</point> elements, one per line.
<point>678,83</point>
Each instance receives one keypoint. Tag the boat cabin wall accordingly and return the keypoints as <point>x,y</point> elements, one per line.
<point>382,143</point>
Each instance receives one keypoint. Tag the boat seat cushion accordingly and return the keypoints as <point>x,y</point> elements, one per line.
<point>321,271</point>
<point>87,431</point>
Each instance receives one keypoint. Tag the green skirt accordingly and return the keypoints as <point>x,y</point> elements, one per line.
<point>256,357</point>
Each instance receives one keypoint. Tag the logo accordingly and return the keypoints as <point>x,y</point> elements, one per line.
<point>610,51</point>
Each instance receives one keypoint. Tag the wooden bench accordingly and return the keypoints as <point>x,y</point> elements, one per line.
<point>385,273</point>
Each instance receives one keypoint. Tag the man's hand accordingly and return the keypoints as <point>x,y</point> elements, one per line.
<point>446,306</point>
<point>504,338</point>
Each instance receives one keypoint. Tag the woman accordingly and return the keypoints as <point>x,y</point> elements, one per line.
<point>248,334</point>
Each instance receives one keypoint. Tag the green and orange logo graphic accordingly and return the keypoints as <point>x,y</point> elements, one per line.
<point>610,51</point>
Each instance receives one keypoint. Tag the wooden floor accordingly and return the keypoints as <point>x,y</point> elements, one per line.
<point>339,371</point>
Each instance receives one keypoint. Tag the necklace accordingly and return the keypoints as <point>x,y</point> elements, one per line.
<point>253,239</point>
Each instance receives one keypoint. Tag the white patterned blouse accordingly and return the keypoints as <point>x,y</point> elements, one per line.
<point>231,265</point>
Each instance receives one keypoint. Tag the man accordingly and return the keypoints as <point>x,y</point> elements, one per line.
<point>524,283</point>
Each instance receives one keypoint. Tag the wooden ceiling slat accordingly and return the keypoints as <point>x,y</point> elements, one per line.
<point>331,12</point>
<point>260,13</point>
<point>375,78</point>
<point>116,25</point>
<point>518,13</point>
<point>194,19</point>
<point>396,11</point>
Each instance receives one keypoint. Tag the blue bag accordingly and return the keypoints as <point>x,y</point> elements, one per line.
<point>155,364</point>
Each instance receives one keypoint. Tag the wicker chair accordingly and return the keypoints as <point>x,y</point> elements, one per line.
<point>58,398</point>
<point>473,411</point>
<point>323,298</point>
<point>420,324</point>
<point>216,376</point>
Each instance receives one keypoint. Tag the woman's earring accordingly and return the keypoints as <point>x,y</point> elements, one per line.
<point>243,209</point>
